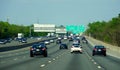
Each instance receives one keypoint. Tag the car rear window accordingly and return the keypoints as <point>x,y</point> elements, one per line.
<point>76,45</point>
<point>99,46</point>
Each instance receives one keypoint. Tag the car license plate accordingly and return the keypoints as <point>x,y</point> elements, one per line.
<point>99,50</point>
<point>37,50</point>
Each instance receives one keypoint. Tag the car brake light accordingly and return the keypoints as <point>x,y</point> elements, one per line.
<point>72,46</point>
<point>43,48</point>
<point>95,49</point>
<point>31,48</point>
<point>104,49</point>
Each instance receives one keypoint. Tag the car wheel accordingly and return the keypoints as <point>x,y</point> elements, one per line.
<point>31,54</point>
<point>45,54</point>
<point>105,54</point>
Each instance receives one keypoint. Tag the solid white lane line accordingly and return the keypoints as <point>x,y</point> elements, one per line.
<point>42,65</point>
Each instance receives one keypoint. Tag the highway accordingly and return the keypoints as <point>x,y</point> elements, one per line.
<point>57,59</point>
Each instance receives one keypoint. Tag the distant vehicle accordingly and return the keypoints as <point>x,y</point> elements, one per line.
<point>3,41</point>
<point>85,41</point>
<point>38,49</point>
<point>63,46</point>
<point>47,42</point>
<point>58,41</point>
<point>99,49</point>
<point>8,40</point>
<point>65,37</point>
<point>24,40</point>
<point>20,35</point>
<point>76,48</point>
<point>59,38</point>
<point>76,41</point>
<point>70,39</point>
<point>51,41</point>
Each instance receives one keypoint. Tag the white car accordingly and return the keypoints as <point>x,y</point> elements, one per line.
<point>76,48</point>
<point>65,38</point>
<point>51,41</point>
<point>47,42</point>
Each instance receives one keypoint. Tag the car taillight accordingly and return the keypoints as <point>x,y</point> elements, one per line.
<point>72,46</point>
<point>43,48</point>
<point>95,49</point>
<point>31,48</point>
<point>104,49</point>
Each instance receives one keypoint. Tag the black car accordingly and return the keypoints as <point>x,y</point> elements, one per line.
<point>99,49</point>
<point>58,41</point>
<point>63,46</point>
<point>70,39</point>
<point>3,41</point>
<point>38,49</point>
<point>24,40</point>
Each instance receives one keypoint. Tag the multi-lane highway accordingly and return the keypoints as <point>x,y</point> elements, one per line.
<point>57,60</point>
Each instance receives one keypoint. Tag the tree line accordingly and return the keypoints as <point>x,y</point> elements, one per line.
<point>106,31</point>
<point>8,30</point>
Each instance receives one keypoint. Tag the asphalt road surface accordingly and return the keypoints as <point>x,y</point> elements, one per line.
<point>58,60</point>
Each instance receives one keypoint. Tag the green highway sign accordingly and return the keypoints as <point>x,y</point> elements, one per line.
<point>75,29</point>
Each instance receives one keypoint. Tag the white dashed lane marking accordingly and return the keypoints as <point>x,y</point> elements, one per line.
<point>99,67</point>
<point>53,59</point>
<point>42,65</point>
<point>49,61</point>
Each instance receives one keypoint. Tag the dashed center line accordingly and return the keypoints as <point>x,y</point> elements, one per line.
<point>49,61</point>
<point>42,65</point>
<point>99,67</point>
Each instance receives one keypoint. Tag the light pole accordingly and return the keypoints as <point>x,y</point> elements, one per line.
<point>30,31</point>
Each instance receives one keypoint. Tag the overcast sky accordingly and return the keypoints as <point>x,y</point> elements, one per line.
<point>58,12</point>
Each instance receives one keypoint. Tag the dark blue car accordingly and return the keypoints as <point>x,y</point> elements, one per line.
<point>63,46</point>
<point>38,49</point>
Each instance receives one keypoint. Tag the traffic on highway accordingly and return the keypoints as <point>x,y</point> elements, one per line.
<point>65,55</point>
<point>59,34</point>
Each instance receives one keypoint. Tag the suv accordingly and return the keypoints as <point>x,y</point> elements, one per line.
<point>38,49</point>
<point>99,49</point>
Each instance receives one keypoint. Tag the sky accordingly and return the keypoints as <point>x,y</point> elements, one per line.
<point>58,12</point>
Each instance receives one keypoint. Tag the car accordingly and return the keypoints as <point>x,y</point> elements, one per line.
<point>85,41</point>
<point>63,46</point>
<point>58,41</point>
<point>47,42</point>
<point>70,39</point>
<point>76,47</point>
<point>38,49</point>
<point>76,41</point>
<point>99,49</point>
<point>59,38</point>
<point>51,41</point>
<point>65,38</point>
<point>24,40</point>
<point>3,41</point>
